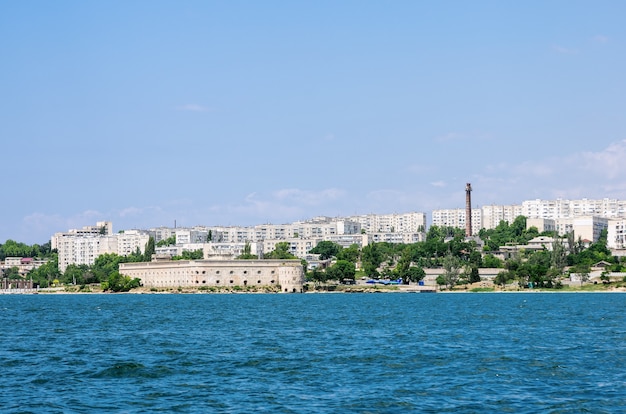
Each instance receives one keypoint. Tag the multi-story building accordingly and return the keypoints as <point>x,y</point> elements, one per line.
<point>493,214</point>
<point>413,222</point>
<point>616,233</point>
<point>585,227</point>
<point>559,208</point>
<point>299,247</point>
<point>83,246</point>
<point>23,264</point>
<point>406,238</point>
<point>456,218</point>
<point>541,224</point>
<point>131,241</point>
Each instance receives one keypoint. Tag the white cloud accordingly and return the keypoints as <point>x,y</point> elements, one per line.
<point>590,174</point>
<point>42,226</point>
<point>438,184</point>
<point>609,163</point>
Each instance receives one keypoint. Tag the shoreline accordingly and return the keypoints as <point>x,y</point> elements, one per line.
<point>349,290</point>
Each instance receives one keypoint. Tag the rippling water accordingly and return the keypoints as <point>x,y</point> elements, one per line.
<point>362,353</point>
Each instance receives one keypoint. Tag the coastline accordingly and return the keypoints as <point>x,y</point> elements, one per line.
<point>332,289</point>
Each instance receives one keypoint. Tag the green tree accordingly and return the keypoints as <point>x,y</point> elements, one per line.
<point>451,271</point>
<point>12,248</point>
<point>351,253</point>
<point>120,283</point>
<point>12,273</point>
<point>413,274</point>
<point>341,271</point>
<point>74,274</point>
<point>247,253</point>
<point>503,277</point>
<point>491,261</point>
<point>372,257</point>
<point>326,249</point>
<point>281,251</point>
<point>470,273</point>
<point>197,254</point>
<point>149,250</point>
<point>46,273</point>
<point>318,277</point>
<point>170,241</point>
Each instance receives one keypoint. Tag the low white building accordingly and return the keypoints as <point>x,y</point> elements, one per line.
<point>286,274</point>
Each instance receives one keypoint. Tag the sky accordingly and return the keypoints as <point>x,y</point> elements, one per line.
<point>217,113</point>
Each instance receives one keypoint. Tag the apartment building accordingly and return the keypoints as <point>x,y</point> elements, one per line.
<point>456,218</point>
<point>616,233</point>
<point>560,208</point>
<point>83,246</point>
<point>542,225</point>
<point>413,222</point>
<point>585,227</point>
<point>493,214</point>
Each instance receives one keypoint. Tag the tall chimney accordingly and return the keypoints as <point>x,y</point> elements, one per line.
<point>468,210</point>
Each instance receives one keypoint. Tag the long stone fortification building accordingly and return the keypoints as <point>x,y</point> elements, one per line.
<point>288,274</point>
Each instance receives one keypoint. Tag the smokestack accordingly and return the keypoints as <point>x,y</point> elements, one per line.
<point>468,210</point>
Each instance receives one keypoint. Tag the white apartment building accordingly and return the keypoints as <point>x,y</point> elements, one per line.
<point>83,246</point>
<point>186,236</point>
<point>297,246</point>
<point>493,214</point>
<point>559,208</point>
<point>347,240</point>
<point>129,241</point>
<point>616,233</point>
<point>541,224</point>
<point>162,233</point>
<point>456,218</point>
<point>413,222</point>
<point>406,238</point>
<point>585,227</point>
<point>324,227</point>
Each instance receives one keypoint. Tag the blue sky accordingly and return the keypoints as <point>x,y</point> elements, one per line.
<point>250,112</point>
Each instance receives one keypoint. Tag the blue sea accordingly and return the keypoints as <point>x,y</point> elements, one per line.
<point>313,353</point>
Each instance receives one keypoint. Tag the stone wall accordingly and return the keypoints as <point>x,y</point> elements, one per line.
<point>288,274</point>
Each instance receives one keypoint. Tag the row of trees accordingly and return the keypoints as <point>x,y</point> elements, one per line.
<point>11,248</point>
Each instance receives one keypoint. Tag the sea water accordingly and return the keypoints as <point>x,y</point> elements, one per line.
<point>313,353</point>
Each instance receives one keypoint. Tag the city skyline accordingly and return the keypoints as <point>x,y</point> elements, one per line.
<point>241,114</point>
